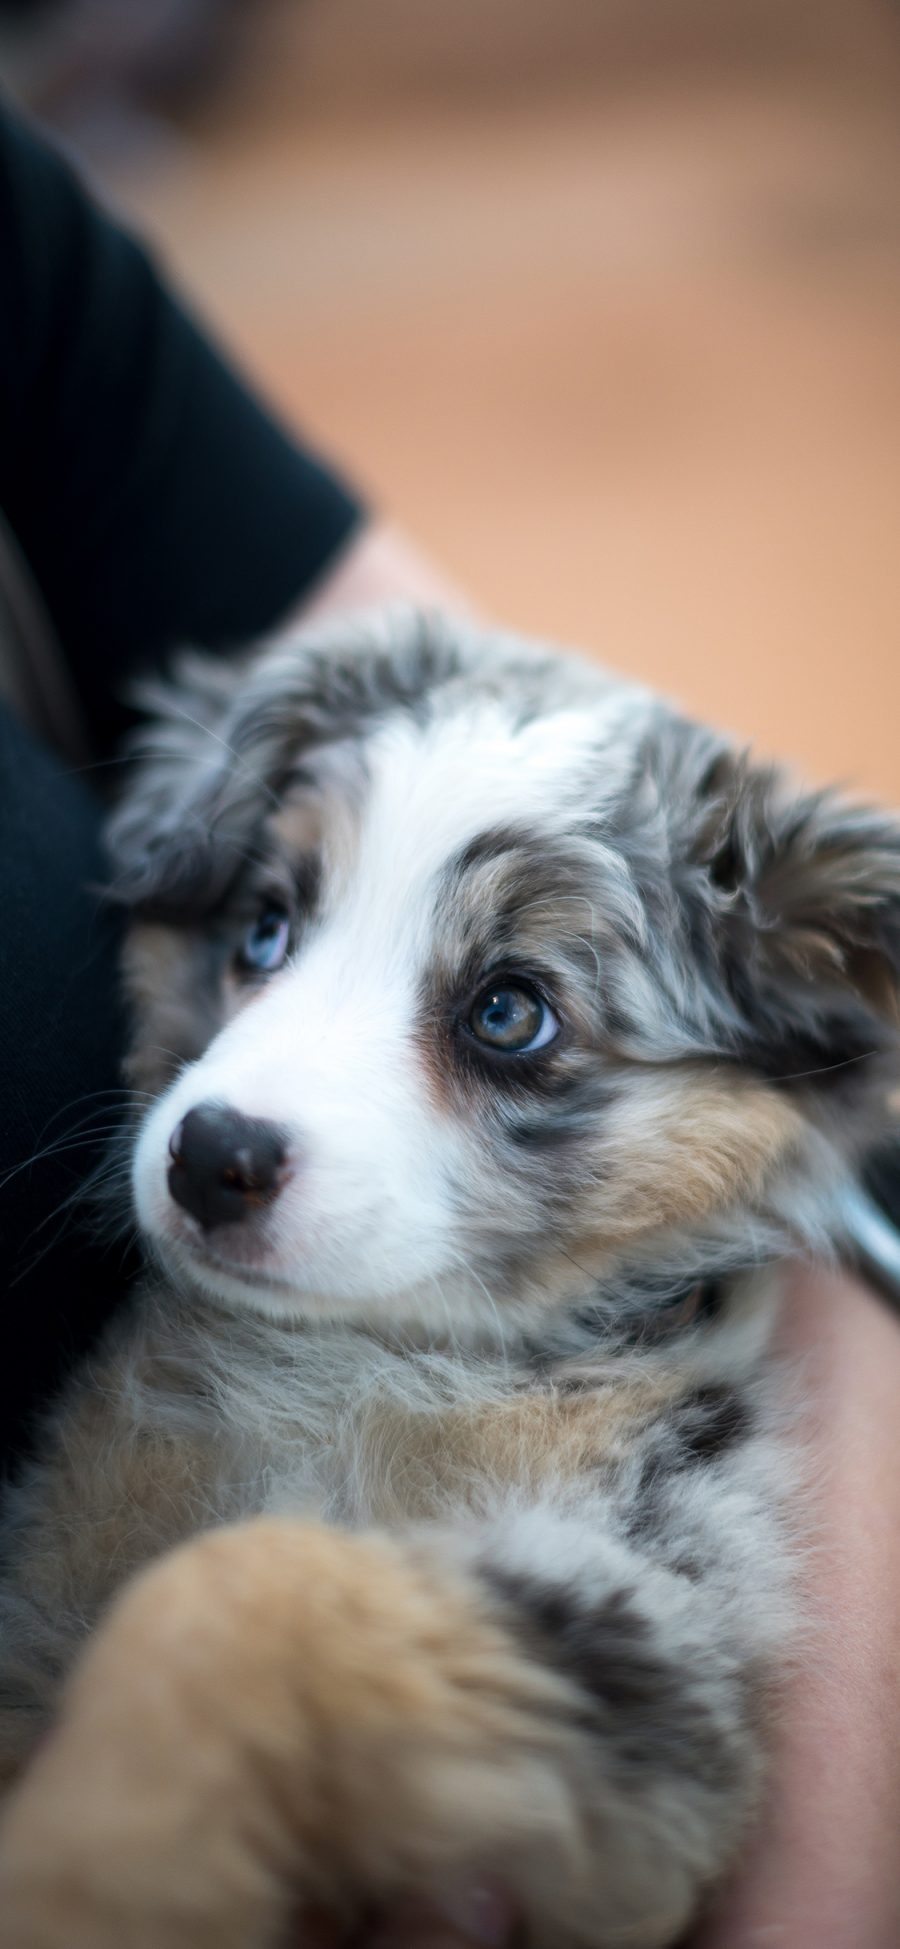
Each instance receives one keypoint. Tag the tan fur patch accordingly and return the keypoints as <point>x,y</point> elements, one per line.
<point>417,1464</point>
<point>279,1710</point>
<point>297,825</point>
<point>322,822</point>
<point>681,1144</point>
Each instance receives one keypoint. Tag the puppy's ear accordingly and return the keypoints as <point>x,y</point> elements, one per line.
<point>226,735</point>
<point>169,838</point>
<point>797,902</point>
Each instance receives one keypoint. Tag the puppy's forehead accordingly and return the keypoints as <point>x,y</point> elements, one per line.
<point>435,788</point>
<point>438,832</point>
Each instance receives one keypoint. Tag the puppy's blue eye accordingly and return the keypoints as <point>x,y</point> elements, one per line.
<point>512,1019</point>
<point>265,944</point>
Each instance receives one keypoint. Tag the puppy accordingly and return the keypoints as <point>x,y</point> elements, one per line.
<point>498,1034</point>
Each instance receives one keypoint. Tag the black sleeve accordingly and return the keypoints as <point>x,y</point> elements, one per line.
<point>155,500</point>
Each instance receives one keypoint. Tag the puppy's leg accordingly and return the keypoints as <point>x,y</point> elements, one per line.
<point>281,1715</point>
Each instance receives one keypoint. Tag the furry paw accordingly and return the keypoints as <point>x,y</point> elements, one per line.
<point>281,1719</point>
<point>280,1715</point>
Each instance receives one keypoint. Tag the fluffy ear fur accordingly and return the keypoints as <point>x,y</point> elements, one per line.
<point>226,734</point>
<point>796,901</point>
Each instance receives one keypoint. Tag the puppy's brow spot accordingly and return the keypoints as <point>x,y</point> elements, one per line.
<point>491,846</point>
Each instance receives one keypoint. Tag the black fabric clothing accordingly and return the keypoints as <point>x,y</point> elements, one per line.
<point>155,500</point>
<point>61,1037</point>
<point>156,503</point>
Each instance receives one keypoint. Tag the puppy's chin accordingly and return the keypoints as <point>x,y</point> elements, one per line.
<point>192,1269</point>
<point>426,1315</point>
<point>268,1290</point>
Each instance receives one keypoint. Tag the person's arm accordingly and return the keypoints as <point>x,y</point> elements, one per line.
<point>154,498</point>
<point>824,1872</point>
<point>379,564</point>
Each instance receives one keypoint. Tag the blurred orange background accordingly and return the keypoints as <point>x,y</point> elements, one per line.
<point>601,298</point>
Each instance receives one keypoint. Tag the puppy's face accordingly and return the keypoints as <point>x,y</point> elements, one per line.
<point>462,975</point>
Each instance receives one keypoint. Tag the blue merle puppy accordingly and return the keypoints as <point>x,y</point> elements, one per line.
<point>499,1034</point>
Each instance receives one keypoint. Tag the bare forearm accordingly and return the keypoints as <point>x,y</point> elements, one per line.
<point>824,1871</point>
<point>379,564</point>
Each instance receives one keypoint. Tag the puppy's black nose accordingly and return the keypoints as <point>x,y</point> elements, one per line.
<point>224,1165</point>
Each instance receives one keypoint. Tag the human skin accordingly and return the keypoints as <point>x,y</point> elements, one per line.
<point>823,1870</point>
<point>379,564</point>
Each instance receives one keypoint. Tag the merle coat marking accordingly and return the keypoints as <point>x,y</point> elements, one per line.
<point>503,1330</point>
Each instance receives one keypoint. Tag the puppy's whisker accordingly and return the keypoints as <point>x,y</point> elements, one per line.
<point>828,1068</point>
<point>160,1049</point>
<point>459,1258</point>
<point>116,1093</point>
<point>63,1146</point>
<point>591,1277</point>
<point>102,1186</point>
<point>452,1329</point>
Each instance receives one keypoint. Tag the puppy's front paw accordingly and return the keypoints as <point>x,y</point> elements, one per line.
<point>279,1715</point>
<point>280,1718</point>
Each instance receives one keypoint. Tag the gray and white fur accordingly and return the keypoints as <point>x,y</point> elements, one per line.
<point>510,1307</point>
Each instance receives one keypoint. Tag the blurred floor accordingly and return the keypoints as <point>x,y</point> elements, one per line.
<point>620,343</point>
